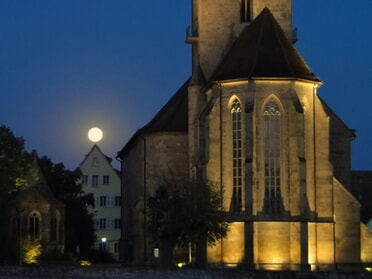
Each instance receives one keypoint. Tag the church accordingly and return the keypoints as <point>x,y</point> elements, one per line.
<point>250,119</point>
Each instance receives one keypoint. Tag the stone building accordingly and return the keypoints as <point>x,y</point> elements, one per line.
<point>37,218</point>
<point>103,180</point>
<point>250,119</point>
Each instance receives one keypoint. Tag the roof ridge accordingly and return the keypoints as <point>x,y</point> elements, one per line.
<point>262,50</point>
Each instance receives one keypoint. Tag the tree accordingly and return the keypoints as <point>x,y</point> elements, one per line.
<point>14,163</point>
<point>186,212</point>
<point>79,226</point>
<point>14,166</point>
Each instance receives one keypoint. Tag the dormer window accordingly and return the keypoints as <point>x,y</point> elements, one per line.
<point>245,10</point>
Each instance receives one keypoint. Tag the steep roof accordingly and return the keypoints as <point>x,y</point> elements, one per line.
<point>173,117</point>
<point>95,146</point>
<point>263,50</point>
<point>36,188</point>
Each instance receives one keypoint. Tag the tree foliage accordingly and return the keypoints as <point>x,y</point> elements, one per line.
<point>14,163</point>
<point>187,212</point>
<point>15,171</point>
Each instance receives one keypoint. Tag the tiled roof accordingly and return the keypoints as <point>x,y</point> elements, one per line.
<point>263,50</point>
<point>173,117</point>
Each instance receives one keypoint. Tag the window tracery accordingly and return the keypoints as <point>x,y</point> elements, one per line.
<point>272,146</point>
<point>236,156</point>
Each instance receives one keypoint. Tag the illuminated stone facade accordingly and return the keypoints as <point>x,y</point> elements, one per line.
<point>256,126</point>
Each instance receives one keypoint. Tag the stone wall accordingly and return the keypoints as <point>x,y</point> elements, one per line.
<point>113,272</point>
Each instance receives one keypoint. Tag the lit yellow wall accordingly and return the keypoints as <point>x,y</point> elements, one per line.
<point>272,242</point>
<point>231,252</point>
<point>366,244</point>
<point>321,245</point>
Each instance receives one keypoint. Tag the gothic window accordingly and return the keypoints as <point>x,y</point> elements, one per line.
<point>236,156</point>
<point>34,226</point>
<point>245,10</point>
<point>272,121</point>
<point>53,228</point>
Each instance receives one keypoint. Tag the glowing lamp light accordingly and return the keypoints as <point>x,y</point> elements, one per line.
<point>103,239</point>
<point>95,134</point>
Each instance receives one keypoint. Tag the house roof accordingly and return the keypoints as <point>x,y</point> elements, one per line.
<point>173,117</point>
<point>263,50</point>
<point>107,158</point>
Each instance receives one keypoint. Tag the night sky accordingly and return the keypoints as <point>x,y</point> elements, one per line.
<point>69,65</point>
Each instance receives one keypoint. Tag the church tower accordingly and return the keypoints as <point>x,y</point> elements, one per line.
<point>250,120</point>
<point>217,23</point>
<point>258,129</point>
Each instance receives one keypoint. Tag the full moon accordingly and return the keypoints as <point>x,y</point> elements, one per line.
<point>95,134</point>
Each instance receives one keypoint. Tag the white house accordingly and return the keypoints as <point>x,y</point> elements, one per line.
<point>103,180</point>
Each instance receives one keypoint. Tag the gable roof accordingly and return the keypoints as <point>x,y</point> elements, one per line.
<point>263,50</point>
<point>36,188</point>
<point>173,117</point>
<point>95,146</point>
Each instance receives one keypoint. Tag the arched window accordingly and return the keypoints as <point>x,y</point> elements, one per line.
<point>272,146</point>
<point>54,226</point>
<point>236,156</point>
<point>34,225</point>
<point>95,162</point>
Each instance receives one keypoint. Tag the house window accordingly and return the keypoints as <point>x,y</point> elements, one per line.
<point>84,179</point>
<point>272,146</point>
<point>106,180</point>
<point>34,226</point>
<point>245,10</point>
<point>95,162</point>
<point>94,180</point>
<point>102,201</point>
<point>236,156</point>
<point>117,224</point>
<point>102,223</point>
<point>118,201</point>
<point>103,246</point>
<point>116,247</point>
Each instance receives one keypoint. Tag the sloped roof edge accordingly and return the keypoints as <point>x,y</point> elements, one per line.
<point>172,117</point>
<point>263,50</point>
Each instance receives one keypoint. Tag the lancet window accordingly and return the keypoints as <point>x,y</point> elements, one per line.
<point>272,123</point>
<point>34,226</point>
<point>237,156</point>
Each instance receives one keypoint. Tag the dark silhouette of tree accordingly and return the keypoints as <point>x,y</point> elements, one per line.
<point>79,226</point>
<point>186,212</point>
<point>14,165</point>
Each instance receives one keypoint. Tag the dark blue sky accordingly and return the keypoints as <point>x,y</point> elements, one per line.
<point>68,65</point>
